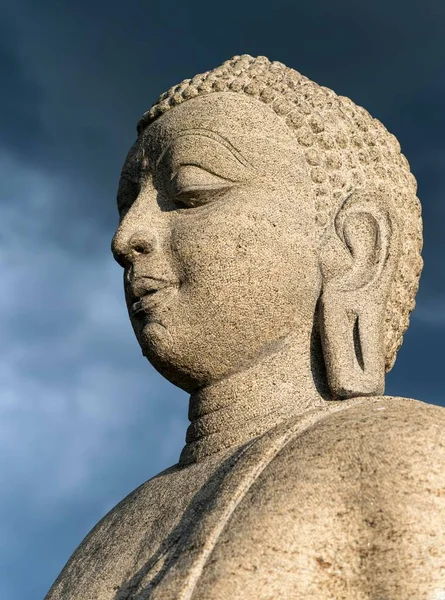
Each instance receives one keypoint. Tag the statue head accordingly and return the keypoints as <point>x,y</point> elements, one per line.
<point>255,205</point>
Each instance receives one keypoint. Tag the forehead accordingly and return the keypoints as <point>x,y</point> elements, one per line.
<point>249,126</point>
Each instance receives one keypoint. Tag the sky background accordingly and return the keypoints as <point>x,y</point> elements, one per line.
<point>84,419</point>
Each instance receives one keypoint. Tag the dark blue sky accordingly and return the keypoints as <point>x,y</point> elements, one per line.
<point>84,419</point>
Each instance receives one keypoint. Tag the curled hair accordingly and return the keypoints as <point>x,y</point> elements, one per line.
<point>344,147</point>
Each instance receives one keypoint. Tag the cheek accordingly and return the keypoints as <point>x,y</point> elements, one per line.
<point>248,261</point>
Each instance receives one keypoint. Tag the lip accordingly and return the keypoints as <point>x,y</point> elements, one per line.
<point>152,297</point>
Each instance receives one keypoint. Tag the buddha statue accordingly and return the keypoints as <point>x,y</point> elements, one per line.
<point>271,238</point>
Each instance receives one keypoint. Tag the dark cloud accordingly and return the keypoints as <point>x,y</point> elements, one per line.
<point>84,419</point>
<point>21,131</point>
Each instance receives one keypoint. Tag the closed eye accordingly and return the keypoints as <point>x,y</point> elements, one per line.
<point>192,185</point>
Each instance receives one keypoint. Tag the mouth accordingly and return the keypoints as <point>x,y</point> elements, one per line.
<point>151,299</point>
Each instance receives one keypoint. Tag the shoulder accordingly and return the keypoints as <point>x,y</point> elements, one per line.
<point>378,456</point>
<point>378,436</point>
<point>357,486</point>
<point>369,422</point>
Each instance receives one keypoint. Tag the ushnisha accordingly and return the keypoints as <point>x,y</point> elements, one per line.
<point>271,239</point>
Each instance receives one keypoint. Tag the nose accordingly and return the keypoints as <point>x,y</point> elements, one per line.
<point>126,249</point>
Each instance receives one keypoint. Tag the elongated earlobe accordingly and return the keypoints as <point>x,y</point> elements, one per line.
<point>352,338</point>
<point>357,264</point>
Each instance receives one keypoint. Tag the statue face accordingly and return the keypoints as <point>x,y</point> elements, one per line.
<point>217,238</point>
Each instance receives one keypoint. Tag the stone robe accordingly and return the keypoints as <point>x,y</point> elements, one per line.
<point>343,503</point>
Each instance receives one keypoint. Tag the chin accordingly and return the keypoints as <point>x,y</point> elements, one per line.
<point>158,347</point>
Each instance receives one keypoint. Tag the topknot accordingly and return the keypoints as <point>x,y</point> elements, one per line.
<point>343,146</point>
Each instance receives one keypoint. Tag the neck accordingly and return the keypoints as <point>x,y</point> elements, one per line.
<point>285,381</point>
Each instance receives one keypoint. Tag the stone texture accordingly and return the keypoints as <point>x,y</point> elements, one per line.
<point>271,236</point>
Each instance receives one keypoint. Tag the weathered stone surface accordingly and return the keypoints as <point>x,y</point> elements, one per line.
<point>271,236</point>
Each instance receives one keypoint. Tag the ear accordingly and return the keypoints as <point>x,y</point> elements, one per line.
<point>357,261</point>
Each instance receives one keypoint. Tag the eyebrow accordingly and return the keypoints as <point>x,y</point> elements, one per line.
<point>201,132</point>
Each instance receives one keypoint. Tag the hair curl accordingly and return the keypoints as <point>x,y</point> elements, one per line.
<point>344,147</point>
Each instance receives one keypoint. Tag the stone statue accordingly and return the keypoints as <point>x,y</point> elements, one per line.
<point>271,241</point>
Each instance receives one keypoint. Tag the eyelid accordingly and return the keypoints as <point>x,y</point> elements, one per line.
<point>197,182</point>
<point>198,178</point>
